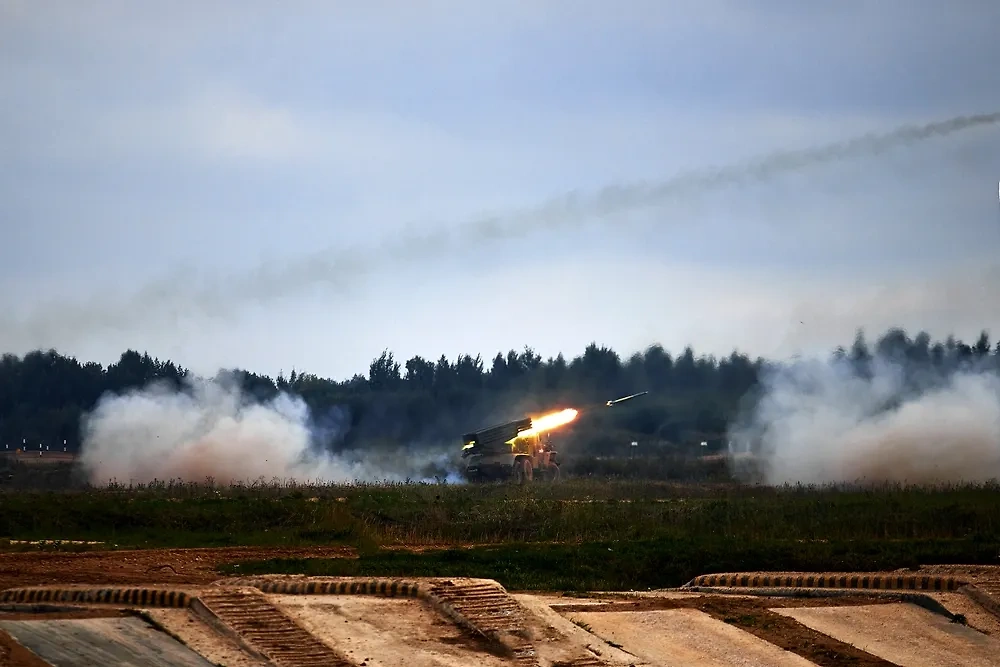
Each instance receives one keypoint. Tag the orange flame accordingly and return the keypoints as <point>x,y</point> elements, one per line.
<point>550,421</point>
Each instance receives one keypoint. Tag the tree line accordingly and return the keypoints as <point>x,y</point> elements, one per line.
<point>44,394</point>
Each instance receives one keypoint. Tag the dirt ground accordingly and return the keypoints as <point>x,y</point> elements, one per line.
<point>189,629</point>
<point>688,637</point>
<point>903,634</point>
<point>973,573</point>
<point>13,654</point>
<point>386,632</point>
<point>755,616</point>
<point>152,566</point>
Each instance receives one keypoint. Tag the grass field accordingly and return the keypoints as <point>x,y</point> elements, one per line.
<point>580,534</point>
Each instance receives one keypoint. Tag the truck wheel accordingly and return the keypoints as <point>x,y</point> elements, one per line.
<point>522,471</point>
<point>554,473</point>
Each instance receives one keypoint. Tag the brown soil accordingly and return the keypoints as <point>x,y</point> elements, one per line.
<point>985,577</point>
<point>31,457</point>
<point>974,573</point>
<point>754,615</point>
<point>13,654</point>
<point>149,566</point>
<point>62,615</point>
<point>904,634</point>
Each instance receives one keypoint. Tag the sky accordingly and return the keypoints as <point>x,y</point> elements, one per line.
<point>243,184</point>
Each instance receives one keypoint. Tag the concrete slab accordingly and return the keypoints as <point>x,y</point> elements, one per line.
<point>99,642</point>
<point>902,633</point>
<point>685,638</point>
<point>385,632</point>
<point>558,639</point>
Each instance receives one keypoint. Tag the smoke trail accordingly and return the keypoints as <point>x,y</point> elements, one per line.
<point>212,430</point>
<point>164,301</point>
<point>621,198</point>
<point>819,423</point>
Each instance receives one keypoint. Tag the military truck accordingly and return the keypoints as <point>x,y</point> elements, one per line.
<point>510,451</point>
<point>522,449</point>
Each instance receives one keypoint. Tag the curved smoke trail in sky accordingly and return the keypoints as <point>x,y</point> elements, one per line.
<point>161,301</point>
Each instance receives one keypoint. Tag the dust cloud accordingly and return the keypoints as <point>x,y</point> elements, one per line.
<point>210,429</point>
<point>818,422</point>
<point>159,302</point>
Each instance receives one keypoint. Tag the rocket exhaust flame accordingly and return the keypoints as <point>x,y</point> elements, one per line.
<point>550,421</point>
<point>554,420</point>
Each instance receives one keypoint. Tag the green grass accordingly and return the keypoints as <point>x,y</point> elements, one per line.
<point>188,518</point>
<point>577,511</point>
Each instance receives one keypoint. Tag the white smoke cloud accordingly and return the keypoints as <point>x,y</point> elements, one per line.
<point>820,423</point>
<point>211,429</point>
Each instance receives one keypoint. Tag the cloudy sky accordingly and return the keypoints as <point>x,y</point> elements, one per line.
<point>302,184</point>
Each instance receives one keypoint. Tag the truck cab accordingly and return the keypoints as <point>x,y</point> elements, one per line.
<point>502,452</point>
